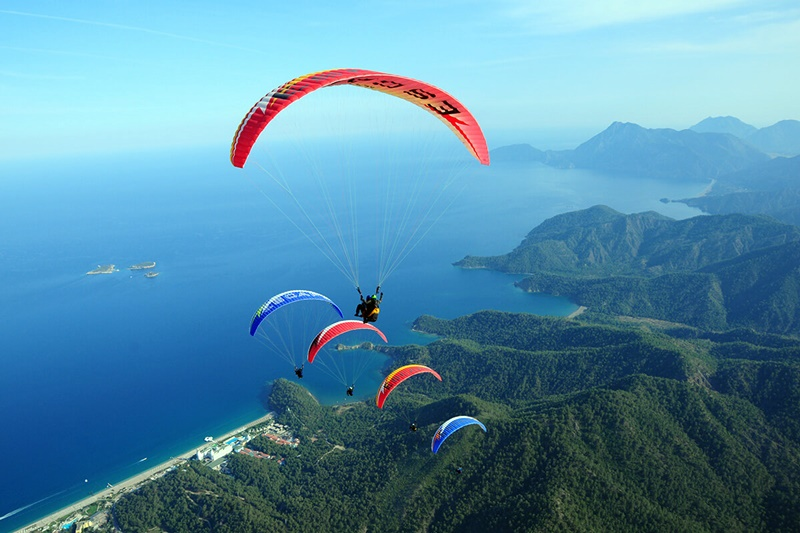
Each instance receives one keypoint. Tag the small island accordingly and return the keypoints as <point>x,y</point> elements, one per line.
<point>151,274</point>
<point>103,269</point>
<point>143,266</point>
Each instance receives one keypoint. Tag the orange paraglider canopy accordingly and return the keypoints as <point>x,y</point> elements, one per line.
<point>397,377</point>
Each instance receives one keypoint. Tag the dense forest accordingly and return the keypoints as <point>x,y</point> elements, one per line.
<point>672,404</point>
<point>599,241</point>
<point>595,423</point>
<point>712,272</point>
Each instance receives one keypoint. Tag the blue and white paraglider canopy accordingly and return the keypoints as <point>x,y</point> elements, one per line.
<point>450,427</point>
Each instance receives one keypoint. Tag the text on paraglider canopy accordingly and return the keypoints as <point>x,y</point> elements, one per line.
<point>442,108</point>
<point>445,108</point>
<point>421,94</point>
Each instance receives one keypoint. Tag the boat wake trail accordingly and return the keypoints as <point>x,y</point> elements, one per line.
<point>15,511</point>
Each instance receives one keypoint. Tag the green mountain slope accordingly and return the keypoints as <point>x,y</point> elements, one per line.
<point>783,205</point>
<point>690,298</point>
<point>712,272</point>
<point>600,241</point>
<point>762,289</point>
<point>621,426</point>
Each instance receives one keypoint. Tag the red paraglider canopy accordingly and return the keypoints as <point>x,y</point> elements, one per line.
<point>432,99</point>
<point>336,329</point>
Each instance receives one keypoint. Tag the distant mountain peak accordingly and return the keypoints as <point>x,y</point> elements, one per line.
<point>730,125</point>
<point>714,147</point>
<point>617,124</point>
<point>617,128</point>
<point>782,138</point>
<point>627,148</point>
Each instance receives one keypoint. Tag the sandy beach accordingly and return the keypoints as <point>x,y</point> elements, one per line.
<point>577,312</point>
<point>52,522</point>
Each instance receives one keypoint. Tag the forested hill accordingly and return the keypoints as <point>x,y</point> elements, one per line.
<point>600,241</point>
<point>712,272</point>
<point>782,205</point>
<point>590,427</point>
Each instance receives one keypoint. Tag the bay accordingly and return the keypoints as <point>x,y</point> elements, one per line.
<point>98,373</point>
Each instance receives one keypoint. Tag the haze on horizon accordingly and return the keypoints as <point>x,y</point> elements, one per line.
<point>100,77</point>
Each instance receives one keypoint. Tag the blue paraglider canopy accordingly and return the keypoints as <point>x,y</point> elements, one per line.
<point>286,298</point>
<point>450,427</point>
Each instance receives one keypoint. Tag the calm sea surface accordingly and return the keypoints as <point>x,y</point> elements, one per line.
<point>98,373</point>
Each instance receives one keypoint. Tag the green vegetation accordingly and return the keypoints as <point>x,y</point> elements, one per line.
<point>783,205</point>
<point>600,242</point>
<point>672,405</point>
<point>710,272</point>
<point>601,424</point>
<point>689,298</point>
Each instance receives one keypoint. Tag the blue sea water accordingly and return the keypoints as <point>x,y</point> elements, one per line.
<point>99,372</point>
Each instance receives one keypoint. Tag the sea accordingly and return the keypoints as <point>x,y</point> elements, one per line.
<point>104,376</point>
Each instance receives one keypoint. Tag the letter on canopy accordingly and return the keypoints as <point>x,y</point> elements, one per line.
<point>450,427</point>
<point>397,377</point>
<point>336,329</point>
<point>432,99</point>
<point>286,298</point>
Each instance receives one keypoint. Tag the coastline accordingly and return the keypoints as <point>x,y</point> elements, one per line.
<point>53,521</point>
<point>577,312</point>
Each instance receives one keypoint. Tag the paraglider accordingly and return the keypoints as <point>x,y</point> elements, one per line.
<point>432,99</point>
<point>347,170</point>
<point>398,376</point>
<point>336,329</point>
<point>348,365</point>
<point>288,321</point>
<point>369,308</point>
<point>450,427</point>
<point>286,298</point>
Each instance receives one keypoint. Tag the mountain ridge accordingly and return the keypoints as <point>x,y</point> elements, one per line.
<point>676,452</point>
<point>714,272</point>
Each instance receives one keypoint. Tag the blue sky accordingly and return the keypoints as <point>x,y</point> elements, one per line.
<point>106,76</point>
